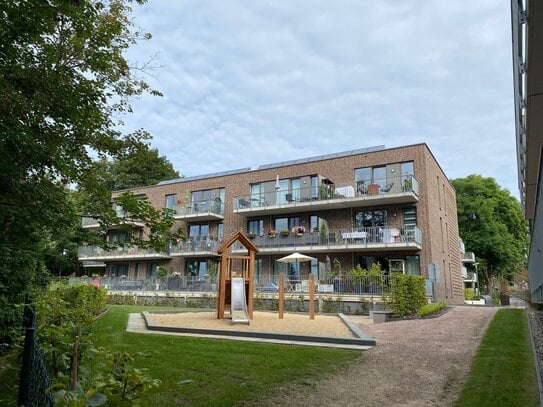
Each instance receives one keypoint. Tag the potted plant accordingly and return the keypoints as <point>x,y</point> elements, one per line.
<point>251,235</point>
<point>283,232</point>
<point>408,184</point>
<point>299,230</point>
<point>323,234</point>
<point>212,271</point>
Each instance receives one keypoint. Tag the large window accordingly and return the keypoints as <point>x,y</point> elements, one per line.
<point>208,200</point>
<point>286,223</point>
<point>412,265</point>
<point>170,201</point>
<point>220,231</point>
<point>407,170</point>
<point>370,175</point>
<point>117,270</point>
<point>198,231</point>
<point>196,268</point>
<point>368,219</point>
<point>117,237</point>
<point>255,227</point>
<point>409,221</point>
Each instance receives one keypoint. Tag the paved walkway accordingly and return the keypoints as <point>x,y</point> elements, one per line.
<point>422,362</point>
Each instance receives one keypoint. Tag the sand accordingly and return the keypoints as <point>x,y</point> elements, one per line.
<point>322,325</point>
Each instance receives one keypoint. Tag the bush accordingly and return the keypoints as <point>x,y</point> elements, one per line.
<point>469,294</point>
<point>62,309</point>
<point>407,295</point>
<point>429,309</point>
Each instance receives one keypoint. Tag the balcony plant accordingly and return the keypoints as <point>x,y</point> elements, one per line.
<point>408,184</point>
<point>323,234</point>
<point>298,230</point>
<point>284,232</point>
<point>251,235</point>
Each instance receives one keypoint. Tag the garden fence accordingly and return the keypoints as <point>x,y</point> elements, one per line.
<point>35,381</point>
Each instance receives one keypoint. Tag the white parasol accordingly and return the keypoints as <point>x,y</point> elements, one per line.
<point>295,258</point>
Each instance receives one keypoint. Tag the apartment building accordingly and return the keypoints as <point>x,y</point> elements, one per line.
<point>527,40</point>
<point>391,206</point>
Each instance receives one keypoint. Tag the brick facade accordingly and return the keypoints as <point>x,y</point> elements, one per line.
<point>438,242</point>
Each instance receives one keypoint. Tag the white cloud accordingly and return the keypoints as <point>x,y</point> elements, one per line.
<point>249,83</point>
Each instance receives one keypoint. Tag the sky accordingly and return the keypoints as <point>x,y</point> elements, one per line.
<point>247,83</point>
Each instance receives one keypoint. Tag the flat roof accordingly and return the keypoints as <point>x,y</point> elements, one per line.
<point>276,165</point>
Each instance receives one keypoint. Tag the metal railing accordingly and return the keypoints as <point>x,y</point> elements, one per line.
<point>153,283</point>
<point>339,237</point>
<point>96,251</point>
<point>334,238</point>
<point>324,192</point>
<point>348,285</point>
<point>196,244</point>
<point>199,207</point>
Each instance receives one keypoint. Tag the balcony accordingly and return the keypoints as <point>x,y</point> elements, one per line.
<point>200,210</point>
<point>96,253</point>
<point>363,239</point>
<point>198,246</point>
<point>395,190</point>
<point>89,222</point>
<point>468,257</point>
<point>471,277</point>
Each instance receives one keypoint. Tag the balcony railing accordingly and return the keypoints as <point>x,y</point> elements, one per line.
<point>95,253</point>
<point>370,237</point>
<point>468,257</point>
<point>196,244</point>
<point>348,285</point>
<point>199,209</point>
<point>395,189</point>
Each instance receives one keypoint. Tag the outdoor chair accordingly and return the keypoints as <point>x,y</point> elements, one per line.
<point>387,187</point>
<point>290,198</point>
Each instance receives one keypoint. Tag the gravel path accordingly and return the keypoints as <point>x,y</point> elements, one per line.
<point>536,326</point>
<point>422,362</point>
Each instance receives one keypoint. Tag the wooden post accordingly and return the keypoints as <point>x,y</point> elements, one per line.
<point>311,297</point>
<point>281,295</point>
<point>75,363</point>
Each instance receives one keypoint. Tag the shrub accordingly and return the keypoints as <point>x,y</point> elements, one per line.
<point>407,295</point>
<point>429,309</point>
<point>469,294</point>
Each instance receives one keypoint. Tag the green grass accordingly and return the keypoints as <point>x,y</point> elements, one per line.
<point>222,372</point>
<point>9,371</point>
<point>503,371</point>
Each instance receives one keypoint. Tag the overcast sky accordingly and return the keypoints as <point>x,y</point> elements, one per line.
<point>247,83</point>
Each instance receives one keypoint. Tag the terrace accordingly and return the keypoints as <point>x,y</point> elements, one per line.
<point>407,237</point>
<point>95,253</point>
<point>392,190</point>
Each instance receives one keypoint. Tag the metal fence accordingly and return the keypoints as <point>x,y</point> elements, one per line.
<point>349,285</point>
<point>35,380</point>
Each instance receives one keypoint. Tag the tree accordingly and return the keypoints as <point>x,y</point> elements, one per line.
<point>64,86</point>
<point>492,226</point>
<point>143,166</point>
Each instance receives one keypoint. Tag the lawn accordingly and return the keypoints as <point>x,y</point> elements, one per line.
<point>503,372</point>
<point>203,372</point>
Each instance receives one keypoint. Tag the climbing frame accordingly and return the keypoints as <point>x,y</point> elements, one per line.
<point>236,266</point>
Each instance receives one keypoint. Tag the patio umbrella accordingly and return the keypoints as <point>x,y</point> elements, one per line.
<point>277,184</point>
<point>295,258</point>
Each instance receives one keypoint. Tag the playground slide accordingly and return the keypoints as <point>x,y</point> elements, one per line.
<point>238,304</point>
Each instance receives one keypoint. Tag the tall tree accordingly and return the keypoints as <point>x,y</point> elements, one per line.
<point>64,86</point>
<point>492,226</point>
<point>143,166</point>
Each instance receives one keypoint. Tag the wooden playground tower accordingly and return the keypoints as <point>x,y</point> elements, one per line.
<point>236,266</point>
